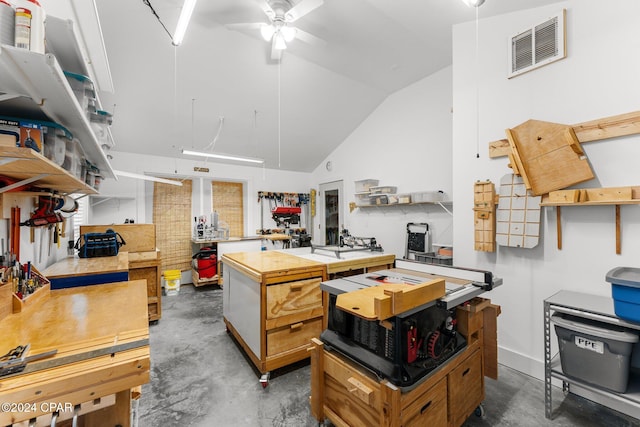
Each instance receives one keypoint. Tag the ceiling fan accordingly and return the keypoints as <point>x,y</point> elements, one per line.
<point>280,31</point>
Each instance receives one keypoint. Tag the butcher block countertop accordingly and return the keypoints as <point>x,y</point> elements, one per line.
<point>76,266</point>
<point>100,351</point>
<point>268,265</point>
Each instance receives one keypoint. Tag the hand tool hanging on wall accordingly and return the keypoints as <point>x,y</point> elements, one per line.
<point>14,244</point>
<point>44,214</point>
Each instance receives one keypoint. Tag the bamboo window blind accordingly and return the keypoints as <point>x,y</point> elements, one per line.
<point>228,202</point>
<point>172,217</point>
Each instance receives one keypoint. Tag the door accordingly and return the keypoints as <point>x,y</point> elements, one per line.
<point>331,213</point>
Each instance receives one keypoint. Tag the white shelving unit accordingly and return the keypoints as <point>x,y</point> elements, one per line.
<point>445,205</point>
<point>39,77</point>
<point>597,308</point>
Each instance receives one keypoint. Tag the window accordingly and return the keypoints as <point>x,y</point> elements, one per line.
<point>81,217</point>
<point>172,217</point>
<point>228,201</point>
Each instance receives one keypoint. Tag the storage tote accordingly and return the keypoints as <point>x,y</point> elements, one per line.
<point>625,290</point>
<point>594,352</point>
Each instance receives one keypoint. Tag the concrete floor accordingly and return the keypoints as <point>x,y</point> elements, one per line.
<point>200,377</point>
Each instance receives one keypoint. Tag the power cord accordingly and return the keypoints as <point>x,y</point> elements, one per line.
<point>148,3</point>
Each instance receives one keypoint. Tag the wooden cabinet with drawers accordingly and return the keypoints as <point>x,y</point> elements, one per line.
<point>347,394</point>
<point>273,306</point>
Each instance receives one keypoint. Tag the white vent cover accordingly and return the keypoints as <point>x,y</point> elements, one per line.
<point>539,45</point>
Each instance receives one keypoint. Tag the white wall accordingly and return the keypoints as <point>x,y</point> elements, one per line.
<point>599,78</point>
<point>405,142</point>
<point>134,197</point>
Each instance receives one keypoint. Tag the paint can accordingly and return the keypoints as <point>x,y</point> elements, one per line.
<point>7,23</point>
<point>36,25</point>
<point>23,28</point>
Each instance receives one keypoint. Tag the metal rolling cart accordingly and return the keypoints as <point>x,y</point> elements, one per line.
<point>593,307</point>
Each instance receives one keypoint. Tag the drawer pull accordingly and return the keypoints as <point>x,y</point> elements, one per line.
<point>297,325</point>
<point>359,390</point>
<point>296,287</point>
<point>466,371</point>
<point>425,407</point>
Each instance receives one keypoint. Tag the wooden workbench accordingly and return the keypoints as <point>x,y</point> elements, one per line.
<point>100,353</point>
<point>75,271</point>
<point>349,263</point>
<point>272,305</point>
<point>145,261</point>
<point>272,302</point>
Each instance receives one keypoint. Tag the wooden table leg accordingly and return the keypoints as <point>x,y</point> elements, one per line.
<point>316,399</point>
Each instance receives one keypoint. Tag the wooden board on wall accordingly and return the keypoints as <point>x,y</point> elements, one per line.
<point>139,237</point>
<point>548,156</point>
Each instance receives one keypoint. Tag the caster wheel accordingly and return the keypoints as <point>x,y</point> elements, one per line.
<point>479,411</point>
<point>264,379</point>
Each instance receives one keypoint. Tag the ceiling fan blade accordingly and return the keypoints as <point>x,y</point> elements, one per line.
<point>276,54</point>
<point>301,9</point>
<point>266,8</point>
<point>310,38</point>
<point>245,26</point>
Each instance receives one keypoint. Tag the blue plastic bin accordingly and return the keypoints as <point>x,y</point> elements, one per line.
<point>625,290</point>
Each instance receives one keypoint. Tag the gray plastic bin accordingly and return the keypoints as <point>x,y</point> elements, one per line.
<point>594,352</point>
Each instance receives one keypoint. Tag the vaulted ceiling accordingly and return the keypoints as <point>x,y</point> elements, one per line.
<point>292,113</point>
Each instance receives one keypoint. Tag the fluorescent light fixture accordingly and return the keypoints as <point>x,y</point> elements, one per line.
<point>222,156</point>
<point>473,3</point>
<point>147,178</point>
<point>183,21</point>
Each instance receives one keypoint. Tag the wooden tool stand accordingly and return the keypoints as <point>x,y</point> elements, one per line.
<point>349,395</point>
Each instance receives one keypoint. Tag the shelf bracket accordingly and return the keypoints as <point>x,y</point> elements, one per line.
<point>8,97</point>
<point>445,209</point>
<point>23,182</point>
<point>559,226</point>
<point>618,236</point>
<point>7,160</point>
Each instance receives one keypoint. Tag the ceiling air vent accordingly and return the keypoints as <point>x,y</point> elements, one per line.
<point>537,46</point>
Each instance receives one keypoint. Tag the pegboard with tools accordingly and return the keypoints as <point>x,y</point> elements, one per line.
<point>285,209</point>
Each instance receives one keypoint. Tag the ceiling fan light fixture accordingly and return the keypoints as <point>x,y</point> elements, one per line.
<point>473,3</point>
<point>267,31</point>
<point>289,33</point>
<point>279,41</point>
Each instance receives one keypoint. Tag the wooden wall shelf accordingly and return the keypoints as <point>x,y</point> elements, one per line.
<point>28,166</point>
<point>593,197</point>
